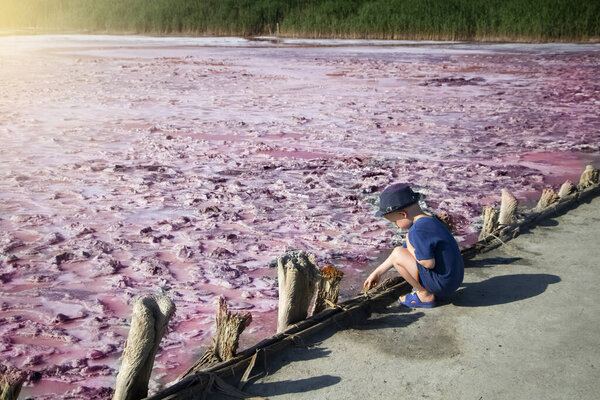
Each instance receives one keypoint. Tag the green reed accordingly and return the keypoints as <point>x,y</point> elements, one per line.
<point>524,20</point>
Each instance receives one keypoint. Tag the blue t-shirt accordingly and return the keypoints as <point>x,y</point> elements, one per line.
<point>432,240</point>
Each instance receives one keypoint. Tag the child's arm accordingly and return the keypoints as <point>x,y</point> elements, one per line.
<point>375,277</point>
<point>429,263</point>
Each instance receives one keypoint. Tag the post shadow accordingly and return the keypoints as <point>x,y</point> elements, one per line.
<point>309,348</point>
<point>547,222</point>
<point>294,386</point>
<point>502,290</point>
<point>271,363</point>
<point>396,316</point>
<point>529,229</point>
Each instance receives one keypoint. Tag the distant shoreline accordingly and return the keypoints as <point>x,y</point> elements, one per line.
<point>40,32</point>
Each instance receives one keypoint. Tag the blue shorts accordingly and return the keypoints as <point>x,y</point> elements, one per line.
<point>429,280</point>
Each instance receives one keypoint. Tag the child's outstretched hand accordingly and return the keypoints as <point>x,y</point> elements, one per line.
<point>372,280</point>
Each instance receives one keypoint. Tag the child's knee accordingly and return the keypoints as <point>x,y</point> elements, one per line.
<point>399,253</point>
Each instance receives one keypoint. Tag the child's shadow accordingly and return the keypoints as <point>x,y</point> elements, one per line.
<point>502,289</point>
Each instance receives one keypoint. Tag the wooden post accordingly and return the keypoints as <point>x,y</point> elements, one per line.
<point>149,322</point>
<point>11,380</point>
<point>297,272</point>
<point>229,327</point>
<point>589,177</point>
<point>508,208</point>
<point>446,219</point>
<point>328,288</point>
<point>548,197</point>
<point>566,189</point>
<point>490,222</point>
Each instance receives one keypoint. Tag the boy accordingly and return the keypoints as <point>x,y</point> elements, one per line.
<point>430,260</point>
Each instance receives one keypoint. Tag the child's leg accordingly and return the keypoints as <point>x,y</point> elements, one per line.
<point>406,265</point>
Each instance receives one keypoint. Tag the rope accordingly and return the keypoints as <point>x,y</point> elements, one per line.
<point>333,305</point>
<point>223,387</point>
<point>246,375</point>
<point>498,238</point>
<point>502,241</point>
<point>298,341</point>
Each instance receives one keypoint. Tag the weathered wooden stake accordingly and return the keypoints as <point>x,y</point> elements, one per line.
<point>11,380</point>
<point>589,177</point>
<point>297,272</point>
<point>149,322</point>
<point>328,288</point>
<point>229,327</point>
<point>490,222</point>
<point>566,189</point>
<point>548,197</point>
<point>508,208</point>
<point>446,219</point>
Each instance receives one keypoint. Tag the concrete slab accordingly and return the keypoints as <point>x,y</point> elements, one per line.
<point>523,326</point>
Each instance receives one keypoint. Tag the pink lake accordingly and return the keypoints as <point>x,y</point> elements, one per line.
<point>134,164</point>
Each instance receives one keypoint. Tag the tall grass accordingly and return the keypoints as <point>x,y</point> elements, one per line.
<point>529,20</point>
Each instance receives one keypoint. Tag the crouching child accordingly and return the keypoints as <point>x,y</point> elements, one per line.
<point>429,260</point>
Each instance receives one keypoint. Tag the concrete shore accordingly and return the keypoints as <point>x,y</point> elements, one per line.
<point>524,325</point>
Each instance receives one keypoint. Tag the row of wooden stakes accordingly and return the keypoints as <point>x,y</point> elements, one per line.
<point>494,220</point>
<point>299,277</point>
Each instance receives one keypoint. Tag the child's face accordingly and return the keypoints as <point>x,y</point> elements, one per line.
<point>400,218</point>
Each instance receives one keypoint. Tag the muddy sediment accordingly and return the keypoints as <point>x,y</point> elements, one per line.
<point>131,166</point>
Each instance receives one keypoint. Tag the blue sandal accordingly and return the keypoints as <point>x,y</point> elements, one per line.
<point>413,301</point>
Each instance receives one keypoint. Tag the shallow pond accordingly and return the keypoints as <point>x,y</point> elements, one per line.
<point>130,164</point>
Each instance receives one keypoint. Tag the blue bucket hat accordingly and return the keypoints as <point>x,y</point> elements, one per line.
<point>396,197</point>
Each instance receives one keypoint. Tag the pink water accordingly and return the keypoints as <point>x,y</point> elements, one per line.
<point>130,164</point>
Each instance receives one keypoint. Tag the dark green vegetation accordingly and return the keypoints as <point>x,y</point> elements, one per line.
<point>523,20</point>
